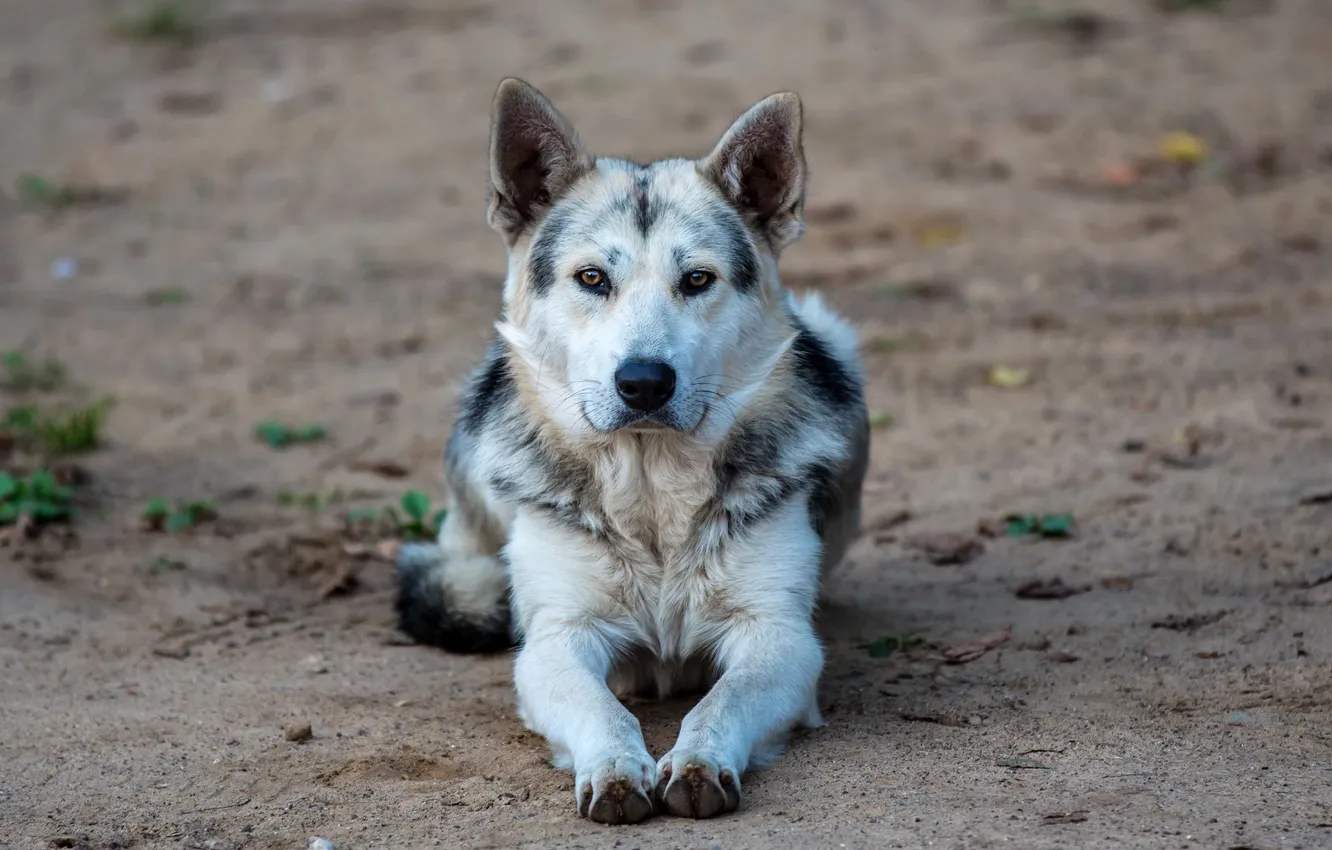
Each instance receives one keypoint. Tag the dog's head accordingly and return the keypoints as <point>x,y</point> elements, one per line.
<point>644,296</point>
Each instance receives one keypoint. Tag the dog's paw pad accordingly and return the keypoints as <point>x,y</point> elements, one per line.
<point>618,791</point>
<point>697,786</point>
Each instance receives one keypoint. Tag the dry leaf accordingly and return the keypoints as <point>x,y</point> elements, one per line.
<point>1009,378</point>
<point>962,653</point>
<point>1183,148</point>
<point>341,583</point>
<point>1120,174</point>
<point>384,468</point>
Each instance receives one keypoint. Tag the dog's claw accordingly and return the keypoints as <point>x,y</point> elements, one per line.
<point>619,791</point>
<point>698,788</point>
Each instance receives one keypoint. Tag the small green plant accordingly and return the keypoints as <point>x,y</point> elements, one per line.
<point>21,375</point>
<point>36,189</point>
<point>161,515</point>
<point>158,20</point>
<point>1047,525</point>
<point>887,645</point>
<point>278,435</point>
<point>60,432</point>
<point>42,191</point>
<point>167,296</point>
<point>415,522</point>
<point>881,420</point>
<point>37,495</point>
<point>311,501</point>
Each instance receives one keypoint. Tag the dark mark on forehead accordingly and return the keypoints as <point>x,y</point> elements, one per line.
<point>645,212</point>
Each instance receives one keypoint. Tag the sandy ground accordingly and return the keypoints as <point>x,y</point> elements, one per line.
<point>301,237</point>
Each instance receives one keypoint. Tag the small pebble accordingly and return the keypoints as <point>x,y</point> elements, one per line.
<point>321,844</point>
<point>298,733</point>
<point>65,268</point>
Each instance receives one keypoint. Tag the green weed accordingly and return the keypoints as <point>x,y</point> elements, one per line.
<point>60,432</point>
<point>161,515</point>
<point>278,435</point>
<point>22,375</point>
<point>37,495</point>
<point>416,521</point>
<point>158,20</point>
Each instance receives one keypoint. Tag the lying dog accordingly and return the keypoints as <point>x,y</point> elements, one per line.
<point>661,453</point>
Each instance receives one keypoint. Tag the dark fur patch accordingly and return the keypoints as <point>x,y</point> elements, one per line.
<point>490,388</point>
<point>822,374</point>
<point>740,256</point>
<point>646,214</point>
<point>545,247</point>
<point>423,615</point>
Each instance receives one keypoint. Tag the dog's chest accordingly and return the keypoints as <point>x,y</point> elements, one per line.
<point>664,577</point>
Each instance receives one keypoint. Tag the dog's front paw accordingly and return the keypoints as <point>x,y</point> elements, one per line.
<point>616,789</point>
<point>697,784</point>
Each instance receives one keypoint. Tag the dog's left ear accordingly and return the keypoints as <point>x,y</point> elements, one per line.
<point>759,165</point>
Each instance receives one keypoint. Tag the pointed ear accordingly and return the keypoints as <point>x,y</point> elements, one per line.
<point>534,156</point>
<point>759,165</point>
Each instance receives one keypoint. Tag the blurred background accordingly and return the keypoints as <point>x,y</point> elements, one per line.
<point>244,268</point>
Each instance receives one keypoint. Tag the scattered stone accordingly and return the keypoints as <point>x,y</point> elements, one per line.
<point>1049,589</point>
<point>1180,460</point>
<point>382,468</point>
<point>64,268</point>
<point>298,733</point>
<point>1021,763</point>
<point>1319,574</point>
<point>172,650</point>
<point>1117,583</point>
<point>1320,495</point>
<point>1133,445</point>
<point>1060,656</point>
<point>1190,623</point>
<point>1178,546</point>
<point>1064,817</point>
<point>947,548</point>
<point>941,719</point>
<point>192,103</point>
<point>321,844</point>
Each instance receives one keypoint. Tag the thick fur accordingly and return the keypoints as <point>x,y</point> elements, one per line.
<point>648,552</point>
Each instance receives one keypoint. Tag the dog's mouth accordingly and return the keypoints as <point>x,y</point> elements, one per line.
<point>630,421</point>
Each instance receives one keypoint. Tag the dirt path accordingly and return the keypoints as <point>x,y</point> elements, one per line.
<point>293,229</point>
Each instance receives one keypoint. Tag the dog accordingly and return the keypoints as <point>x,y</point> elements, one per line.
<point>659,457</point>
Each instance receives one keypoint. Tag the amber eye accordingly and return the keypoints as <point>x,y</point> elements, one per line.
<point>592,278</point>
<point>698,280</point>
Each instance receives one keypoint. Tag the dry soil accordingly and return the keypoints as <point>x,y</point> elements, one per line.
<point>291,226</point>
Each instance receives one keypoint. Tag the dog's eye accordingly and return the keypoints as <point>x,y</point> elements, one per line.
<point>698,280</point>
<point>592,278</point>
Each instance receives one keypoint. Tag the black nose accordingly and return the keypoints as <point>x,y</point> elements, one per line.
<point>644,385</point>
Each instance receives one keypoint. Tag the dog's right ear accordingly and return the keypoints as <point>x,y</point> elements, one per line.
<point>534,156</point>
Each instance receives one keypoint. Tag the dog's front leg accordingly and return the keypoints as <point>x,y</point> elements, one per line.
<point>770,661</point>
<point>560,673</point>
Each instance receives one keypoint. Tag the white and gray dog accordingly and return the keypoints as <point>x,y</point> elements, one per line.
<point>660,455</point>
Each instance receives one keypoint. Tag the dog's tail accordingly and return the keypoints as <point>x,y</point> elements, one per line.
<point>458,604</point>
